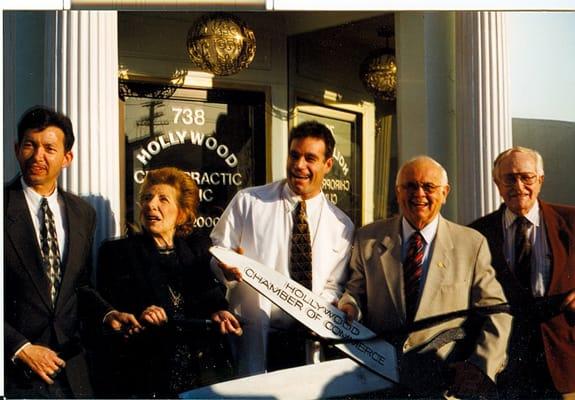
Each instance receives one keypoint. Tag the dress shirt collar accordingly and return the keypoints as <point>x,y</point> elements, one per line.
<point>428,232</point>
<point>532,216</point>
<point>57,207</point>
<point>34,198</point>
<point>293,199</point>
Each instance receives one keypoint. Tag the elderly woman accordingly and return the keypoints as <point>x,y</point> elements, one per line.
<point>163,276</point>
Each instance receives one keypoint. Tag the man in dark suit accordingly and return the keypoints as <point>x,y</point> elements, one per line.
<point>533,248</point>
<point>47,251</point>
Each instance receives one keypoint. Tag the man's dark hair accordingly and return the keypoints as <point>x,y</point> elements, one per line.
<point>316,130</point>
<point>38,118</point>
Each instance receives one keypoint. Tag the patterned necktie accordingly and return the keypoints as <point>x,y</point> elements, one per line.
<point>300,255</point>
<point>523,250</point>
<point>50,250</point>
<point>412,270</point>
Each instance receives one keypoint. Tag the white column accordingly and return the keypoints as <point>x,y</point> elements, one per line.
<point>84,86</point>
<point>483,118</point>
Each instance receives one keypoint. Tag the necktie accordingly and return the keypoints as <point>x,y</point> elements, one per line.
<point>523,250</point>
<point>412,271</point>
<point>50,250</point>
<point>300,255</point>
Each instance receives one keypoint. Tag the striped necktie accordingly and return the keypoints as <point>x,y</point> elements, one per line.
<point>412,271</point>
<point>50,250</point>
<point>300,254</point>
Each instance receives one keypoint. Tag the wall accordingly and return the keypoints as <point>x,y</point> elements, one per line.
<point>555,140</point>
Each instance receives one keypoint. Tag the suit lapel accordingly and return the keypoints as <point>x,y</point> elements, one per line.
<point>497,241</point>
<point>73,255</point>
<point>558,237</point>
<point>439,265</point>
<point>20,231</point>
<point>390,261</point>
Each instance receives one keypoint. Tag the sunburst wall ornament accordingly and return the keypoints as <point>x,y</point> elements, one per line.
<point>221,44</point>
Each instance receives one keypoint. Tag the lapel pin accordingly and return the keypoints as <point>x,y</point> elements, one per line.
<point>441,264</point>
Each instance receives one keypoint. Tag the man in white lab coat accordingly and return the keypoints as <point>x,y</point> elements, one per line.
<point>259,221</point>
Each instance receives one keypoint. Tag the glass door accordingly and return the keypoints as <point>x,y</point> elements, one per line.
<point>342,186</point>
<point>216,136</point>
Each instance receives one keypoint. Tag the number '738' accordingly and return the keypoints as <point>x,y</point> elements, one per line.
<point>189,116</point>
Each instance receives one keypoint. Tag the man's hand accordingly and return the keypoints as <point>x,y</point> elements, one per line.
<point>121,321</point>
<point>568,307</point>
<point>230,272</point>
<point>350,311</point>
<point>154,315</point>
<point>569,302</point>
<point>228,322</point>
<point>43,361</point>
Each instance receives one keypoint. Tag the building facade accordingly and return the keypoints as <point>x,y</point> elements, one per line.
<point>137,101</point>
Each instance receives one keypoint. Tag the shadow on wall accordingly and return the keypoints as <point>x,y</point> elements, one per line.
<point>105,224</point>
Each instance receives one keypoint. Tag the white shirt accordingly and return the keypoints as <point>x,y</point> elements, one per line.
<point>313,210</point>
<point>279,318</point>
<point>57,207</point>
<point>428,233</point>
<point>541,254</point>
<point>260,220</point>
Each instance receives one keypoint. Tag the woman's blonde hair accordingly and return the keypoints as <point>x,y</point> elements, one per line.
<point>187,191</point>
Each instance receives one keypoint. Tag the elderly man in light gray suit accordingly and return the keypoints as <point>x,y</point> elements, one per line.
<point>419,265</point>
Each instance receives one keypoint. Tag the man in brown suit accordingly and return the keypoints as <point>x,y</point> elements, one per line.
<point>538,276</point>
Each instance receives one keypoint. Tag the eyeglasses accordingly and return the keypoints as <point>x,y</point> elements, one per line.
<point>525,178</point>
<point>427,187</point>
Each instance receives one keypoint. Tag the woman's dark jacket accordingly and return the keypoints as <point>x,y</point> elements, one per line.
<point>132,275</point>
